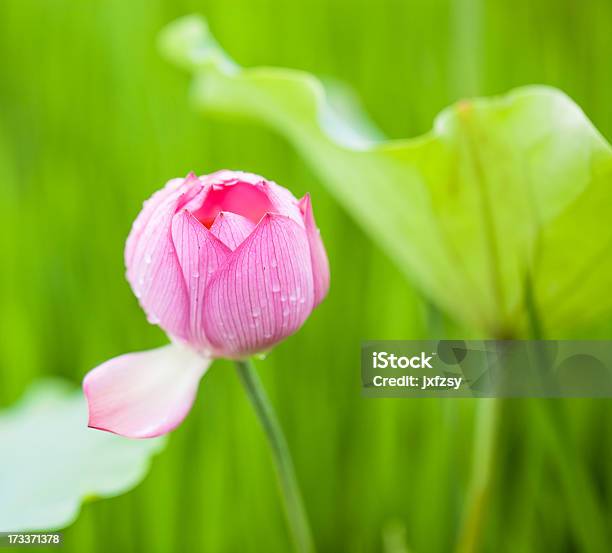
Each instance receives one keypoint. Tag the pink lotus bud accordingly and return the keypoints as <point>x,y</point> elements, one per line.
<point>228,264</point>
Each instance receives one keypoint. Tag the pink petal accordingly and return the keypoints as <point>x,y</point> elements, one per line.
<point>153,268</point>
<point>318,256</point>
<point>283,201</point>
<point>264,291</point>
<point>245,194</point>
<point>144,394</point>
<point>174,189</point>
<point>228,176</point>
<point>243,198</point>
<point>200,253</point>
<point>231,228</point>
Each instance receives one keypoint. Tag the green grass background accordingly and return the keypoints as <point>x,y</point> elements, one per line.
<point>92,121</point>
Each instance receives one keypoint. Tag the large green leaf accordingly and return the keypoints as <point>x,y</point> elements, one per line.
<point>51,461</point>
<point>504,194</point>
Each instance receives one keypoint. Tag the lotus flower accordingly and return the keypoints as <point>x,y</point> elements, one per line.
<point>228,264</point>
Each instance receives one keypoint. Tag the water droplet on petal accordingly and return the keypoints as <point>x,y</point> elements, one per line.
<point>148,258</point>
<point>273,262</point>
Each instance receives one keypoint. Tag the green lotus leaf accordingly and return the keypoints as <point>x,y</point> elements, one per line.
<point>51,462</point>
<point>506,202</point>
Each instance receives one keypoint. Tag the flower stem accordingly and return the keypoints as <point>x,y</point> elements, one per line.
<point>486,438</point>
<point>485,442</point>
<point>294,507</point>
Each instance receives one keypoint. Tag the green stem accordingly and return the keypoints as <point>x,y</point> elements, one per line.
<point>294,507</point>
<point>486,436</point>
<point>485,442</point>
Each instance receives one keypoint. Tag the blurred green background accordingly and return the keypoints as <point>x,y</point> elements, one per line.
<point>92,121</point>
